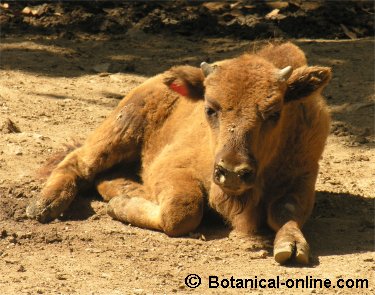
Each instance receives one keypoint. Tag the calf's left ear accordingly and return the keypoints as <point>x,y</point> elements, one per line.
<point>305,81</point>
<point>186,81</point>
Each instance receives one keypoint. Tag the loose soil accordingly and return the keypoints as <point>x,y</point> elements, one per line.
<point>55,89</point>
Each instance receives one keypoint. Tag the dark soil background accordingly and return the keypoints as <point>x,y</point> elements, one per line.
<point>243,19</point>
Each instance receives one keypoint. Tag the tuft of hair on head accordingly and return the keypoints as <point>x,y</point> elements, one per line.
<point>283,55</point>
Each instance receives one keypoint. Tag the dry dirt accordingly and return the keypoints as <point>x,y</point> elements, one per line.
<point>56,89</point>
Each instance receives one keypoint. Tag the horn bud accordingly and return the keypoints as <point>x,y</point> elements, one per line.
<point>285,73</point>
<point>206,69</point>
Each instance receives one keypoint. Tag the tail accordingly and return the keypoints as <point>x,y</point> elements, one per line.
<point>45,171</point>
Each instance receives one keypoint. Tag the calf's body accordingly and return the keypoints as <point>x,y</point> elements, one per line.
<point>243,133</point>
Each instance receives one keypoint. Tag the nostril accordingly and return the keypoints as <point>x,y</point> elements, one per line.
<point>245,175</point>
<point>220,170</point>
<point>220,174</point>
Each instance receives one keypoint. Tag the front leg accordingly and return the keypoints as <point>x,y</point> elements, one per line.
<point>248,219</point>
<point>116,140</point>
<point>286,215</point>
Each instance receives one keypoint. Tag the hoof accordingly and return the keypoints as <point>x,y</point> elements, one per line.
<point>40,212</point>
<point>283,252</point>
<point>302,253</point>
<point>116,207</point>
<point>290,244</point>
<point>43,212</point>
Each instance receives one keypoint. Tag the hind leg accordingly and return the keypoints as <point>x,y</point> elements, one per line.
<point>174,209</point>
<point>119,182</point>
<point>115,141</point>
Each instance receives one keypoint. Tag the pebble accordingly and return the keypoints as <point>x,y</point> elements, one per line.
<point>61,277</point>
<point>18,151</point>
<point>100,68</point>
<point>94,250</point>
<point>12,239</point>
<point>3,234</point>
<point>11,261</point>
<point>262,254</point>
<point>362,139</point>
<point>104,74</point>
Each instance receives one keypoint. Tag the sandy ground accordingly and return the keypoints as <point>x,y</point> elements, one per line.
<point>57,89</point>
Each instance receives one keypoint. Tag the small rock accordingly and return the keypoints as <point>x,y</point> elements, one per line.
<point>215,6</point>
<point>61,277</point>
<point>12,239</point>
<point>365,132</point>
<point>93,250</point>
<point>126,66</point>
<point>274,14</point>
<point>334,182</point>
<point>101,68</point>
<point>262,254</point>
<point>94,217</point>
<point>52,237</point>
<point>197,236</point>
<point>21,269</point>
<point>362,139</point>
<point>3,234</point>
<point>8,126</point>
<point>10,261</point>
<point>26,10</point>
<point>18,152</point>
<point>278,4</point>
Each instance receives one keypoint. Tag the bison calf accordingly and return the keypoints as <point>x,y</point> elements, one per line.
<point>246,133</point>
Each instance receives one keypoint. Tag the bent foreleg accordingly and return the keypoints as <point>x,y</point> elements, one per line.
<point>286,215</point>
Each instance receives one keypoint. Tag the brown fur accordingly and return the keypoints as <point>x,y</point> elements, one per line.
<point>275,128</point>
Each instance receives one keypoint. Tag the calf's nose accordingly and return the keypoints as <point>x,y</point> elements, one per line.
<point>233,176</point>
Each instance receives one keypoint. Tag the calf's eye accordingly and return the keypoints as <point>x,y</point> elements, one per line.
<point>210,112</point>
<point>274,117</point>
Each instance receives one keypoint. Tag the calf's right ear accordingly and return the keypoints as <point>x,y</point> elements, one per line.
<point>186,81</point>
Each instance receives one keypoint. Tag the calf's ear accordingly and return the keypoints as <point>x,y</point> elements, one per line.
<point>305,81</point>
<point>186,81</point>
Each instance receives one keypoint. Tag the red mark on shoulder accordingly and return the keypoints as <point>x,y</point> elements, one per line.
<point>180,89</point>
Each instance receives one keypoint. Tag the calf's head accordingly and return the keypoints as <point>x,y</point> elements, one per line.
<point>244,99</point>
